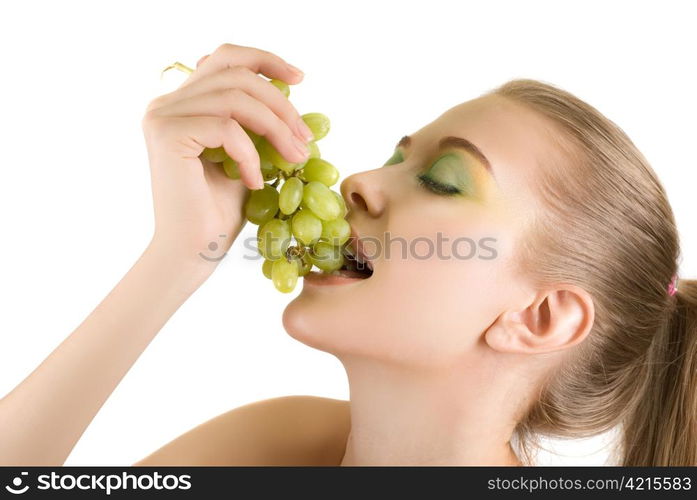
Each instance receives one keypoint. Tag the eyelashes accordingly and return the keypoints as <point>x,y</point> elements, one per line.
<point>437,187</point>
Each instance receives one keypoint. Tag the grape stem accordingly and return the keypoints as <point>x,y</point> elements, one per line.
<point>179,66</point>
<point>295,252</point>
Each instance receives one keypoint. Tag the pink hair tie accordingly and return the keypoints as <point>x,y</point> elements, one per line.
<point>673,285</point>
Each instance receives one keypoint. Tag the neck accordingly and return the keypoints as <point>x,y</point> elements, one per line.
<point>401,417</point>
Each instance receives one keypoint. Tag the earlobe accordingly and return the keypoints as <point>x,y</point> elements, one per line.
<point>555,319</point>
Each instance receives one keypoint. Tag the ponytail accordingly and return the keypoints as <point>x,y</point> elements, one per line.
<point>662,429</point>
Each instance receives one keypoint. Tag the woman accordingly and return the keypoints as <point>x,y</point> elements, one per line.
<point>565,321</point>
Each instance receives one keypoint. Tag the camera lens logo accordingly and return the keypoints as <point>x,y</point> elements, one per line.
<point>17,482</point>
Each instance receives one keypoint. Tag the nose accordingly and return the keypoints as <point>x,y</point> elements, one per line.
<point>363,192</point>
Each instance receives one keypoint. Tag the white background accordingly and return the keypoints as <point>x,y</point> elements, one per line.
<point>75,200</point>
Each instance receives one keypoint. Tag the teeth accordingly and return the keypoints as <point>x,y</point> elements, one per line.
<point>358,258</point>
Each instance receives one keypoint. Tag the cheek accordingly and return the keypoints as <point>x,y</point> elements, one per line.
<point>439,304</point>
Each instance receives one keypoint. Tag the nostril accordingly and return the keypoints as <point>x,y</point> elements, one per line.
<point>357,199</point>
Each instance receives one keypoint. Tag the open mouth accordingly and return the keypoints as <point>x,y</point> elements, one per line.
<point>355,265</point>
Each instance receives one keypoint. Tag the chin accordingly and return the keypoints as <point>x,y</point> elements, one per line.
<point>303,320</point>
<point>324,318</point>
<point>365,320</point>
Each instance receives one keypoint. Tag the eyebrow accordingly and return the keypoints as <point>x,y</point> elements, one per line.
<point>455,142</point>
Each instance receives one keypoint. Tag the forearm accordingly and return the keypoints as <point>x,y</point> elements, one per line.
<point>42,419</point>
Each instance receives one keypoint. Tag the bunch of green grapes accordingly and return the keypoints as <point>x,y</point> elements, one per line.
<point>301,220</point>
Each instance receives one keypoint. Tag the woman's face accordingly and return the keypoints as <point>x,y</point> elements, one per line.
<point>440,229</point>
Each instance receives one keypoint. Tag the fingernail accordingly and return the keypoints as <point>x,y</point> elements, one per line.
<point>304,130</point>
<point>300,146</point>
<point>295,70</point>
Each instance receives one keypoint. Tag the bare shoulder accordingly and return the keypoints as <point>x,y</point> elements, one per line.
<point>288,430</point>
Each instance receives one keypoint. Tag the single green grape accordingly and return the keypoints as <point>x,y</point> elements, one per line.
<point>313,148</point>
<point>231,168</point>
<point>262,205</point>
<point>262,147</point>
<point>215,155</point>
<point>274,239</point>
<point>342,204</point>
<point>265,148</point>
<point>304,265</point>
<point>321,201</point>
<point>268,171</point>
<point>282,86</point>
<point>266,267</point>
<point>327,257</point>
<point>306,227</point>
<point>284,274</point>
<point>318,123</point>
<point>290,196</point>
<point>317,169</point>
<point>337,231</point>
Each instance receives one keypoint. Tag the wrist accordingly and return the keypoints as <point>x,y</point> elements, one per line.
<point>183,263</point>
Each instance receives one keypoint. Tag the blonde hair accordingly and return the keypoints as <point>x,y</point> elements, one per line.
<point>607,227</point>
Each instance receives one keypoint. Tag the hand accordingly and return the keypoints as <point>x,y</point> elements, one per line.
<point>194,201</point>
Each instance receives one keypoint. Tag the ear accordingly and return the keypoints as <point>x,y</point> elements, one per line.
<point>555,319</point>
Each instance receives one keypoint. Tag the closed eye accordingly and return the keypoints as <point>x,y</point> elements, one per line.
<point>437,187</point>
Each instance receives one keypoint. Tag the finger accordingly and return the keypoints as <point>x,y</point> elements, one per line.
<point>259,61</point>
<point>249,112</point>
<point>201,60</point>
<point>254,85</point>
<point>192,134</point>
<point>240,148</point>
